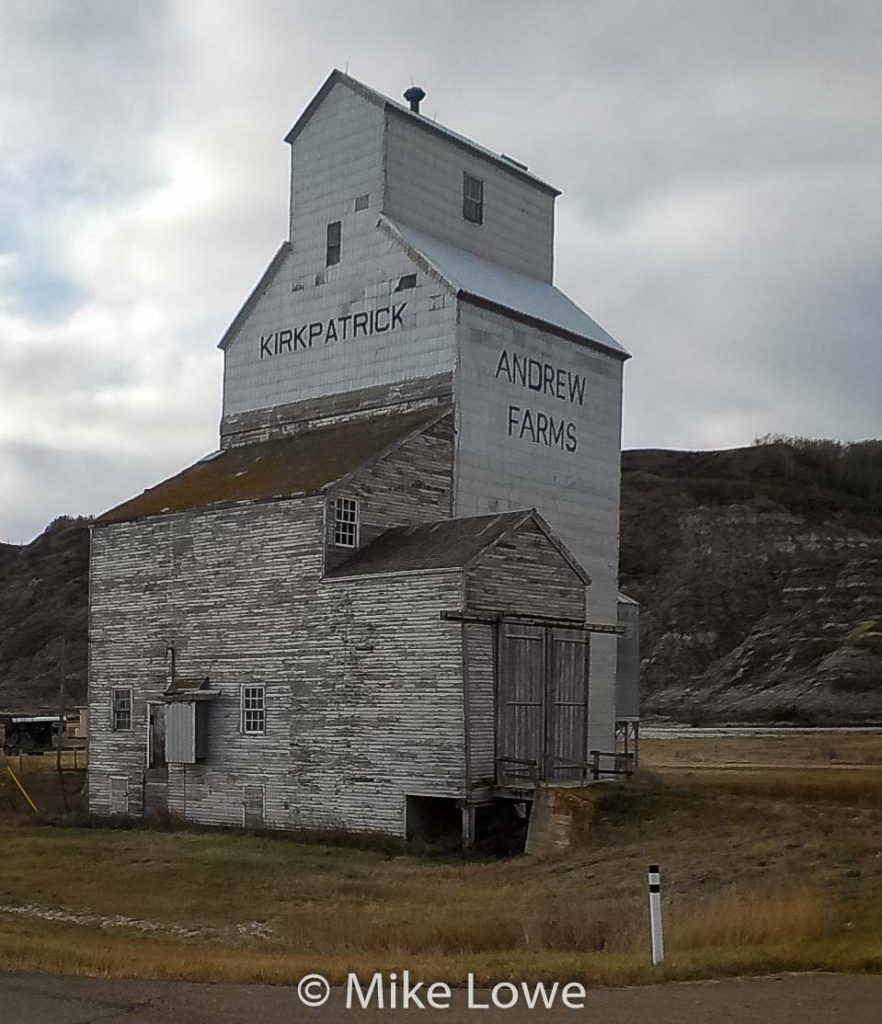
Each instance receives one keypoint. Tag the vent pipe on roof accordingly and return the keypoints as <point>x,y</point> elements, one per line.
<point>414,95</point>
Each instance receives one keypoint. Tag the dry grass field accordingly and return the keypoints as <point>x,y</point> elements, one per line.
<point>762,871</point>
<point>784,748</point>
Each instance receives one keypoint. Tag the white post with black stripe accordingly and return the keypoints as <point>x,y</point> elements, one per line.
<point>655,915</point>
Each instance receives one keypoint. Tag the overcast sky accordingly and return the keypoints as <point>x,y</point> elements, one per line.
<point>720,162</point>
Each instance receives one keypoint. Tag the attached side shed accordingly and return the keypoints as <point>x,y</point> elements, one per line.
<point>466,641</point>
<point>628,679</point>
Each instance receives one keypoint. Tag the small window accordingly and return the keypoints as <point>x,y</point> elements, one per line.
<point>253,710</point>
<point>362,202</point>
<point>346,522</point>
<point>407,282</point>
<point>335,234</point>
<point>472,199</point>
<point>122,708</point>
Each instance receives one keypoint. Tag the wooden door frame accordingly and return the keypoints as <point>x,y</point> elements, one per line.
<point>548,724</point>
<point>151,704</point>
<point>552,721</point>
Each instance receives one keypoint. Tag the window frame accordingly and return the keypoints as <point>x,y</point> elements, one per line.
<point>343,508</point>
<point>472,205</point>
<point>246,726</point>
<point>333,249</point>
<point>116,712</point>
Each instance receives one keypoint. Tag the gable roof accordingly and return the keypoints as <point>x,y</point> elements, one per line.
<point>495,286</point>
<point>299,464</point>
<point>445,544</point>
<point>420,120</point>
<point>266,279</point>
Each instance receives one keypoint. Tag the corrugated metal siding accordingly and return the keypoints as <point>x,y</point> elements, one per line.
<point>628,663</point>
<point>180,733</point>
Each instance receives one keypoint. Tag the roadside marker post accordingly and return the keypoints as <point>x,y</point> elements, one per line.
<point>655,915</point>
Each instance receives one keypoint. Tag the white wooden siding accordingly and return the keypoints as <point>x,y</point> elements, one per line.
<point>412,484</point>
<point>577,493</point>
<point>424,190</point>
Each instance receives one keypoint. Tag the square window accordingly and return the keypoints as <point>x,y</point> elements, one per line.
<point>254,710</point>
<point>472,199</point>
<point>121,705</point>
<point>346,522</point>
<point>335,236</point>
<point>362,202</point>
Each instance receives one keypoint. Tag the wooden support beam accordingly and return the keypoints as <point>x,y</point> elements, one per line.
<point>538,620</point>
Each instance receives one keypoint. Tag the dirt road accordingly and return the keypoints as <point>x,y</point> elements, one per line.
<point>787,999</point>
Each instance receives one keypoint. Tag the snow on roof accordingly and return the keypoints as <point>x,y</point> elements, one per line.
<point>472,275</point>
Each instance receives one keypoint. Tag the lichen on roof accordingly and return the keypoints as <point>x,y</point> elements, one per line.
<point>303,463</point>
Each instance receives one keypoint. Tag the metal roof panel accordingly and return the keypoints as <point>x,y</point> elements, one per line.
<point>472,275</point>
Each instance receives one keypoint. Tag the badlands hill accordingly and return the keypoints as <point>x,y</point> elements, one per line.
<point>759,572</point>
<point>760,575</point>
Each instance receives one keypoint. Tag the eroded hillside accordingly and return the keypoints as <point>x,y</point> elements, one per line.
<point>759,571</point>
<point>44,596</point>
<point>760,575</point>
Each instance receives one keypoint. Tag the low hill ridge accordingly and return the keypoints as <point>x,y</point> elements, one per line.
<point>759,572</point>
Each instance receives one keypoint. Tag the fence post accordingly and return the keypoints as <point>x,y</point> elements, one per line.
<point>655,915</point>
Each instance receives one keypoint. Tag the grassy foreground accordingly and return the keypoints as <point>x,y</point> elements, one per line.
<point>761,872</point>
<point>783,748</point>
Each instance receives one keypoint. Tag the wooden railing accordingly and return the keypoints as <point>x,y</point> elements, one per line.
<point>530,770</point>
<point>624,763</point>
<point>506,778</point>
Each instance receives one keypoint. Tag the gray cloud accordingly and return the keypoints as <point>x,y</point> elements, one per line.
<point>79,483</point>
<point>721,211</point>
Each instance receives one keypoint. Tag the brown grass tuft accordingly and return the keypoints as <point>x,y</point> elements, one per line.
<point>786,919</point>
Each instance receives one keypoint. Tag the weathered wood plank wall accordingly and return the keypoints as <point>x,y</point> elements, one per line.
<point>525,574</point>
<point>412,484</point>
